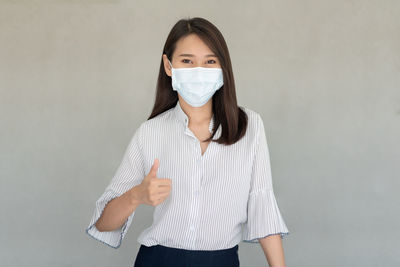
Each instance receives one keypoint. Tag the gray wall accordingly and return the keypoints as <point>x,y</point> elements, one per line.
<point>78,77</point>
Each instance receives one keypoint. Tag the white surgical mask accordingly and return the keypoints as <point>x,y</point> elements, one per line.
<point>196,85</point>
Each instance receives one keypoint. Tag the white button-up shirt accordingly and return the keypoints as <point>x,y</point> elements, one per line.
<point>217,199</point>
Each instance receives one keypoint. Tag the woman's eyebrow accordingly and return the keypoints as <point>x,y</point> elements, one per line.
<point>191,55</point>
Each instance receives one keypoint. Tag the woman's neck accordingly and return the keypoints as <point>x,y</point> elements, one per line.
<point>198,115</point>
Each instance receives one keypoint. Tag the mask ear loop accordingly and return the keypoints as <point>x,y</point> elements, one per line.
<point>170,63</point>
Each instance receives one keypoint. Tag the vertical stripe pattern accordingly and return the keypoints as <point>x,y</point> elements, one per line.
<point>217,199</point>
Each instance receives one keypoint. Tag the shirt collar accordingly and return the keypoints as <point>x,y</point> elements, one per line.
<point>182,117</point>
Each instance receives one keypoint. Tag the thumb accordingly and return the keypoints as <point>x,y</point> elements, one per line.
<point>154,168</point>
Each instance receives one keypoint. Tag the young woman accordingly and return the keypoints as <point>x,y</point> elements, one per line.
<point>202,162</point>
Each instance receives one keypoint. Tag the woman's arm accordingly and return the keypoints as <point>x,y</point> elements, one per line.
<point>118,210</point>
<point>273,250</point>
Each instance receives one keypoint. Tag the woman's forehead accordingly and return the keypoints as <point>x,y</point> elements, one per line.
<point>192,45</point>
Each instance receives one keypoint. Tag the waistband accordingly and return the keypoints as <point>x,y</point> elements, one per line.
<point>187,251</point>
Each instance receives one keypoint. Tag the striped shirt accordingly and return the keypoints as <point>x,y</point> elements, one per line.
<point>217,199</point>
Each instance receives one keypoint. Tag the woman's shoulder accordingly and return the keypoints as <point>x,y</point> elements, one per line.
<point>162,121</point>
<point>253,116</point>
<point>249,111</point>
<point>157,122</point>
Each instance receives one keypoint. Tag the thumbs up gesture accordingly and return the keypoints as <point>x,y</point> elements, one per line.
<point>153,190</point>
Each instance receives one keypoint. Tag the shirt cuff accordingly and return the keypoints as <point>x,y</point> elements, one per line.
<point>110,238</point>
<point>263,217</point>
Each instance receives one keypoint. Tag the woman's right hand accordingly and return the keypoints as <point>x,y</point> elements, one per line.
<point>153,190</point>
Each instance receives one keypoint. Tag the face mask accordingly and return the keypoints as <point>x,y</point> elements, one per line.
<point>196,85</point>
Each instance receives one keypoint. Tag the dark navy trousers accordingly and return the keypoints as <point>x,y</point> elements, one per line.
<point>162,256</point>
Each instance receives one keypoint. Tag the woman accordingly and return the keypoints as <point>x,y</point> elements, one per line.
<point>200,160</point>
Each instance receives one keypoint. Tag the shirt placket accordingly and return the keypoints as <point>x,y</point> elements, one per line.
<point>196,189</point>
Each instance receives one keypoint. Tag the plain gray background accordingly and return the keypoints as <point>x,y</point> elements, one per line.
<point>78,77</point>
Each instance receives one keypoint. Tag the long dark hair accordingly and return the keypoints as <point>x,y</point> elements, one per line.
<point>227,113</point>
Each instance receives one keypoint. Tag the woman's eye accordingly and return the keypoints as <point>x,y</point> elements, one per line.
<point>211,61</point>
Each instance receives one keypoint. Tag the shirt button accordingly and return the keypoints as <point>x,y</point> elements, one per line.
<point>191,228</point>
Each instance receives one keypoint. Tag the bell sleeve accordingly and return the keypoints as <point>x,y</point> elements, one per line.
<point>263,215</point>
<point>129,174</point>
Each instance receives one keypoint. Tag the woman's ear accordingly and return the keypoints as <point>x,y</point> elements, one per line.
<point>167,66</point>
